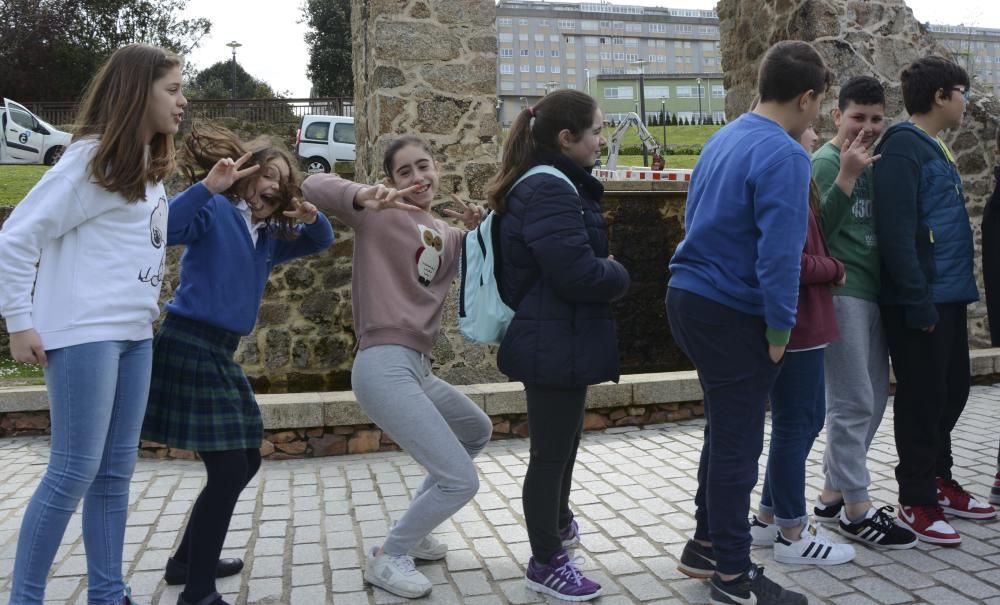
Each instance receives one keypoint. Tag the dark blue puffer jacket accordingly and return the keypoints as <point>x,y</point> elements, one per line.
<point>924,236</point>
<point>554,259</point>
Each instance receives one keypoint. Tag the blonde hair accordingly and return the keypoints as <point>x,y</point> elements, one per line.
<point>113,108</point>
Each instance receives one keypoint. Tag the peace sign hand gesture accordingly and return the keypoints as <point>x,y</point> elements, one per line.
<point>471,214</point>
<point>380,197</point>
<point>854,157</point>
<point>226,172</point>
<point>304,212</point>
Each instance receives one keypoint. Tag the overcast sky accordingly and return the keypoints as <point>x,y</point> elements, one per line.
<point>274,50</point>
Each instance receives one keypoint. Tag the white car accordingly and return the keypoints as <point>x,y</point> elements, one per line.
<point>324,140</point>
<point>28,139</point>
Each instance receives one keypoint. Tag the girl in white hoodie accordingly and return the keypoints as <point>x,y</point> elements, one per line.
<point>96,226</point>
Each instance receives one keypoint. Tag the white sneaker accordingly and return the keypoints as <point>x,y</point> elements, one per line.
<point>396,574</point>
<point>429,549</point>
<point>763,534</point>
<point>812,548</point>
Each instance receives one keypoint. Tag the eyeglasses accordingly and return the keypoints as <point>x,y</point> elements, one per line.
<point>966,92</point>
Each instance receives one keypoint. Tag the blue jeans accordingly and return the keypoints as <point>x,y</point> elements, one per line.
<point>798,409</point>
<point>97,398</point>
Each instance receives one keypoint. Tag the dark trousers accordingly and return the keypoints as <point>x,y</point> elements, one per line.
<point>729,350</point>
<point>228,473</point>
<point>555,421</point>
<point>932,386</point>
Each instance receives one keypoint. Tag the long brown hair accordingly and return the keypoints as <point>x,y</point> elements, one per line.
<point>113,108</point>
<point>537,129</point>
<point>209,143</point>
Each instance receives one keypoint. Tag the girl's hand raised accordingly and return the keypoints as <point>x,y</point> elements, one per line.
<point>471,214</point>
<point>380,197</point>
<point>226,172</point>
<point>304,212</point>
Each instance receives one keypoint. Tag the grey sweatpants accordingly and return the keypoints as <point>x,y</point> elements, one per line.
<point>431,420</point>
<point>857,388</point>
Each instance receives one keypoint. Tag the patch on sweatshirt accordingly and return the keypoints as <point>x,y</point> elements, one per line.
<point>429,254</point>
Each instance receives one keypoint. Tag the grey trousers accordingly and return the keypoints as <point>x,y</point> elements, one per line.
<point>857,388</point>
<point>431,420</point>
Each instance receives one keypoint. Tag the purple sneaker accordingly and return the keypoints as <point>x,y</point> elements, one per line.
<point>570,536</point>
<point>561,579</point>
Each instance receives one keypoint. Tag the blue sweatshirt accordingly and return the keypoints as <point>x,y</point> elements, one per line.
<point>745,223</point>
<point>222,273</point>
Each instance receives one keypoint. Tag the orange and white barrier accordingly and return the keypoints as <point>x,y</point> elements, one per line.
<point>638,173</point>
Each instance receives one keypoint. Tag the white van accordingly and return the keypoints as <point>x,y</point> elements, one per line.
<point>323,140</point>
<point>28,139</point>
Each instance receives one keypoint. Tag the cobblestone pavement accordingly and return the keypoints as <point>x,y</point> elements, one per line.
<point>302,525</point>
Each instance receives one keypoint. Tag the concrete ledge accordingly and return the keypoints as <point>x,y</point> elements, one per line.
<point>340,408</point>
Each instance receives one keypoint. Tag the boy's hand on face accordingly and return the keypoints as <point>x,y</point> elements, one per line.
<point>854,156</point>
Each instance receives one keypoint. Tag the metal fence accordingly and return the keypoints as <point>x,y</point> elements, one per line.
<point>274,111</point>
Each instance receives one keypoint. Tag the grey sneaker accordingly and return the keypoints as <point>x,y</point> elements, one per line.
<point>429,549</point>
<point>396,574</point>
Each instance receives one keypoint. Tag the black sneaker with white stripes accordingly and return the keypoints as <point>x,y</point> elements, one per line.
<point>878,529</point>
<point>697,561</point>
<point>752,587</point>
<point>827,513</point>
<point>812,548</point>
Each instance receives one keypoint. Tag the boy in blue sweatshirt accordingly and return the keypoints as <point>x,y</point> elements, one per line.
<point>731,304</point>
<point>925,243</point>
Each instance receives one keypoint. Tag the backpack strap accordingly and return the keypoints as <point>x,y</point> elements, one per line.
<point>542,169</point>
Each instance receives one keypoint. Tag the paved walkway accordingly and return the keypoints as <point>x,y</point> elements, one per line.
<point>301,525</point>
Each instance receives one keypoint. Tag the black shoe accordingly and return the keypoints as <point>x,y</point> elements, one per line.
<point>827,513</point>
<point>879,529</point>
<point>752,587</point>
<point>212,599</point>
<point>697,561</point>
<point>176,573</point>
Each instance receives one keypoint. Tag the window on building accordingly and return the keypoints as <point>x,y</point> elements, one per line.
<point>504,22</point>
<point>554,38</point>
<point>591,41</point>
<point>618,25</point>
<point>618,92</point>
<point>633,27</point>
<point>506,85</point>
<point>522,21</point>
<point>525,68</point>
<point>567,24</point>
<point>605,56</point>
<point>522,37</point>
<point>718,91</point>
<point>619,56</point>
<point>539,69</point>
<point>506,52</point>
<point>539,52</point>
<point>539,37</point>
<point>524,52</point>
<point>605,24</point>
<point>505,37</point>
<point>570,39</point>
<point>631,41</point>
<point>570,71</point>
<point>555,53</point>
<point>506,68</point>
<point>617,40</point>
<point>657,28</point>
<point>631,57</point>
<point>657,92</point>
<point>554,69</point>
<point>588,25</point>
<point>678,44</point>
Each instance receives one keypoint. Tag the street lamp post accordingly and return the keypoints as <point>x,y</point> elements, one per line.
<point>233,45</point>
<point>663,120</point>
<point>642,100</point>
<point>586,72</point>
<point>701,117</point>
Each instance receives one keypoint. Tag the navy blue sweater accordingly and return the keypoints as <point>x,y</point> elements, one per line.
<point>554,250</point>
<point>745,223</point>
<point>222,273</point>
<point>924,236</point>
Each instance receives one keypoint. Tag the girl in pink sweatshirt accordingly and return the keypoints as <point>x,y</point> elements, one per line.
<point>404,262</point>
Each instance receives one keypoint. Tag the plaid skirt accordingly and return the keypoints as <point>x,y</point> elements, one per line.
<point>199,397</point>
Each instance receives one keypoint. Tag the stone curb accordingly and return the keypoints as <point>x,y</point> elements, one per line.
<point>339,408</point>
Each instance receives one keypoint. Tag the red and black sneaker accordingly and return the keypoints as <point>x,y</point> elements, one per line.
<point>957,502</point>
<point>995,492</point>
<point>929,525</point>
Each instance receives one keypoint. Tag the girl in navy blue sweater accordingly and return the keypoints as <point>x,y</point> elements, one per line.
<point>238,221</point>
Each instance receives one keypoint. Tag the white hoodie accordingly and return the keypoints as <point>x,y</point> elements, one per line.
<point>100,259</point>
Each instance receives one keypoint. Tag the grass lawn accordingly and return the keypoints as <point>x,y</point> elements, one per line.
<point>13,373</point>
<point>676,135</point>
<point>673,161</point>
<point>16,180</point>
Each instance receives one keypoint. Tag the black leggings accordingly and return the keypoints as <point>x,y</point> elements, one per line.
<point>555,420</point>
<point>228,473</point>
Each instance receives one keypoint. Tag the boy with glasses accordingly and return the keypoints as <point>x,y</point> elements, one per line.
<point>927,280</point>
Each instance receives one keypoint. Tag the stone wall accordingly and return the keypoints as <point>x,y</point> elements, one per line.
<point>869,37</point>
